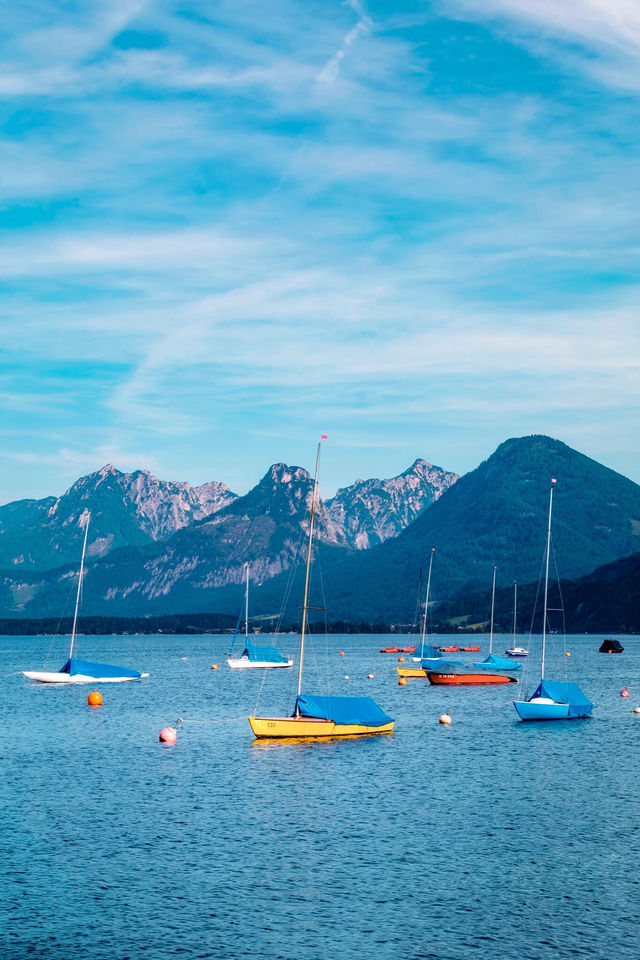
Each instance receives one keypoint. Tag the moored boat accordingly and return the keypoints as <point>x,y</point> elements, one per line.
<point>468,678</point>
<point>515,651</point>
<point>321,717</point>
<point>553,700</point>
<point>83,671</point>
<point>492,670</point>
<point>255,656</point>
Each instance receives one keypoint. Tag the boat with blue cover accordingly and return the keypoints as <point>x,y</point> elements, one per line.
<point>431,660</point>
<point>83,671</point>
<point>553,699</point>
<point>255,656</point>
<point>490,671</point>
<point>320,717</point>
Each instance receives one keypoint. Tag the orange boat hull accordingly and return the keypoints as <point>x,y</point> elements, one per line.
<point>468,679</point>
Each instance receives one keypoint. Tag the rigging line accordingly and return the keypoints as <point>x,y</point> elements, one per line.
<point>564,620</point>
<point>182,720</point>
<point>326,631</point>
<point>293,569</point>
<point>57,632</point>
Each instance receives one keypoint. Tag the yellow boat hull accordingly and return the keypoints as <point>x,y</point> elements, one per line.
<point>411,672</point>
<point>304,728</point>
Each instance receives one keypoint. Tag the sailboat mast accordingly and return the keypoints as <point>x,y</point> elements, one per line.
<point>426,604</point>
<point>75,615</point>
<point>515,609</point>
<point>493,601</point>
<point>246,606</point>
<point>546,581</point>
<point>306,578</point>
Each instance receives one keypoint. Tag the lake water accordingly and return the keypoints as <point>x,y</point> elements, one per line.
<point>491,838</point>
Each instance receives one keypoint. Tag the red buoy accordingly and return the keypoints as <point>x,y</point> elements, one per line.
<point>95,699</point>
<point>168,735</point>
<point>624,693</point>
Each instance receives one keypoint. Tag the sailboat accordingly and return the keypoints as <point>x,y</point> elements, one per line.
<point>83,671</point>
<point>513,650</point>
<point>492,670</point>
<point>255,656</point>
<point>425,653</point>
<point>553,699</point>
<point>319,717</point>
<point>420,651</point>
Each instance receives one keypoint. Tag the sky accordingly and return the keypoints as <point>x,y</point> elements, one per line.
<point>228,228</point>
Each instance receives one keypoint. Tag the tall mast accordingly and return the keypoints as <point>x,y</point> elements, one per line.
<point>246,606</point>
<point>493,600</point>
<point>546,581</point>
<point>306,578</point>
<point>75,615</point>
<point>426,604</point>
<point>515,609</point>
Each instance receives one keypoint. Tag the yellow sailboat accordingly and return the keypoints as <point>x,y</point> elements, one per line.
<point>319,717</point>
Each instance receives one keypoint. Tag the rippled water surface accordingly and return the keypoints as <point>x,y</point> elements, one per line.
<point>491,838</point>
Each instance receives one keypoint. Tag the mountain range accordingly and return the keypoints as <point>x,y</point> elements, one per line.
<point>158,547</point>
<point>153,544</point>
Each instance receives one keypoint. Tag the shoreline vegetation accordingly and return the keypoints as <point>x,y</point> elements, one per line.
<point>216,623</point>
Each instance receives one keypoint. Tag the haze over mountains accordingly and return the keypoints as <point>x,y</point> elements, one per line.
<point>157,547</point>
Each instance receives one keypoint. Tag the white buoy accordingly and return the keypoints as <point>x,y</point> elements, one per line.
<point>445,718</point>
<point>346,676</point>
<point>636,710</point>
<point>371,676</point>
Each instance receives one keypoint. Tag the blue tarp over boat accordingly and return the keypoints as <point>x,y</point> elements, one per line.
<point>86,669</point>
<point>441,665</point>
<point>563,691</point>
<point>348,710</point>
<point>262,653</point>
<point>498,663</point>
<point>426,650</point>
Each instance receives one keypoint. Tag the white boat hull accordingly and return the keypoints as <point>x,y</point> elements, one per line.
<point>43,677</point>
<point>243,663</point>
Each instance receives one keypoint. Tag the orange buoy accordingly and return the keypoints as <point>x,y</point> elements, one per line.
<point>624,693</point>
<point>371,676</point>
<point>567,654</point>
<point>402,682</point>
<point>400,659</point>
<point>214,666</point>
<point>445,718</point>
<point>342,653</point>
<point>168,735</point>
<point>95,699</point>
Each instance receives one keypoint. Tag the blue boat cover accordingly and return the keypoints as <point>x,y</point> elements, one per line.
<point>428,651</point>
<point>360,710</point>
<point>562,691</point>
<point>440,665</point>
<point>500,663</point>
<point>87,669</point>
<point>257,652</point>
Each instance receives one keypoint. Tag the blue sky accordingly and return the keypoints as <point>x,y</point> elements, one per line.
<point>230,227</point>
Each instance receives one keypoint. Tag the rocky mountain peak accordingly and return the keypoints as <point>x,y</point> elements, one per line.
<point>371,511</point>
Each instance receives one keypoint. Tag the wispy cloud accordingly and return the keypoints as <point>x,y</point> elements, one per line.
<point>221,233</point>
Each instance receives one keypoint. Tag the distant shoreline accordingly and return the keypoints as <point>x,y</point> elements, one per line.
<point>202,623</point>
